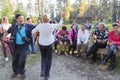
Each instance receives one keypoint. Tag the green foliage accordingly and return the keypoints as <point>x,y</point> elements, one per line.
<point>34,19</point>
<point>117,62</point>
<point>7,9</point>
<point>20,10</point>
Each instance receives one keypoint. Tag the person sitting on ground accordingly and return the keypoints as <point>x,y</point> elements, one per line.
<point>82,40</point>
<point>63,40</point>
<point>114,46</point>
<point>100,41</point>
<point>73,38</point>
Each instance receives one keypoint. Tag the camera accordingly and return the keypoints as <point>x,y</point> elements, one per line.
<point>12,39</point>
<point>27,40</point>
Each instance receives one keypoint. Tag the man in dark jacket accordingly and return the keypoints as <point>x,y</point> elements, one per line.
<point>20,37</point>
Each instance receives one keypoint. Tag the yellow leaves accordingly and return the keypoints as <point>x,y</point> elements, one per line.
<point>68,9</point>
<point>83,7</point>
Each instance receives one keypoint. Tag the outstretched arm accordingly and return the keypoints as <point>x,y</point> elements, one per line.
<point>60,23</point>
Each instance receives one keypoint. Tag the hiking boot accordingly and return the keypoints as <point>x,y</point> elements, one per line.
<point>42,74</point>
<point>23,76</point>
<point>78,56</point>
<point>14,75</point>
<point>111,67</point>
<point>47,78</point>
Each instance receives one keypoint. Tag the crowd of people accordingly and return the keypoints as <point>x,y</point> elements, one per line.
<point>21,37</point>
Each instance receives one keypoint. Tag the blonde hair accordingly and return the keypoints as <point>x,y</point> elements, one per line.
<point>45,18</point>
<point>3,20</point>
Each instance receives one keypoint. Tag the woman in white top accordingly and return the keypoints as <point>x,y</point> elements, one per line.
<point>82,39</point>
<point>4,26</point>
<point>46,39</point>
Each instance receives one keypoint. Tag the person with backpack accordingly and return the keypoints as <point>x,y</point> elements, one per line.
<point>4,26</point>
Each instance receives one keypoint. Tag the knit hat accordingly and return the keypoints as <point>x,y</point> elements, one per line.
<point>115,24</point>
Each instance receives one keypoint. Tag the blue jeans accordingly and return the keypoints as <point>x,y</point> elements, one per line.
<point>32,45</point>
<point>46,58</point>
<point>113,48</point>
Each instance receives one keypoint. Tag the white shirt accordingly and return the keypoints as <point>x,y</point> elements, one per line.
<point>5,27</point>
<point>83,36</point>
<point>46,32</point>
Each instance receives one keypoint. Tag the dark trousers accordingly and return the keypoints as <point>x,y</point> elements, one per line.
<point>94,48</point>
<point>46,58</point>
<point>19,57</point>
<point>55,44</point>
<point>73,47</point>
<point>32,46</point>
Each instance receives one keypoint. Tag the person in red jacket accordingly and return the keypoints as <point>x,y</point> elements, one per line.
<point>114,46</point>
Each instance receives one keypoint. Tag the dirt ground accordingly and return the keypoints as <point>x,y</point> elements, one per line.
<point>63,68</point>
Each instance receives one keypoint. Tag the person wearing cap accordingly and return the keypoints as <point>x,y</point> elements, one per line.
<point>82,40</point>
<point>100,41</point>
<point>46,40</point>
<point>114,46</point>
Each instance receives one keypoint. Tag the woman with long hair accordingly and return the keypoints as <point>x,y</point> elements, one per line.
<point>73,33</point>
<point>4,26</point>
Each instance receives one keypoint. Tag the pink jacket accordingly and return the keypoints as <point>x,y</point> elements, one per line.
<point>71,35</point>
<point>62,33</point>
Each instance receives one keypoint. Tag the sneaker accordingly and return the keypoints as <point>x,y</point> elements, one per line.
<point>59,53</point>
<point>66,54</point>
<point>77,56</point>
<point>23,76</point>
<point>6,59</point>
<point>84,55</point>
<point>42,74</point>
<point>33,52</point>
<point>47,78</point>
<point>55,51</point>
<point>13,76</point>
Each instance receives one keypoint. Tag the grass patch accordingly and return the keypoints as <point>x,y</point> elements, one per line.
<point>117,64</point>
<point>32,58</point>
